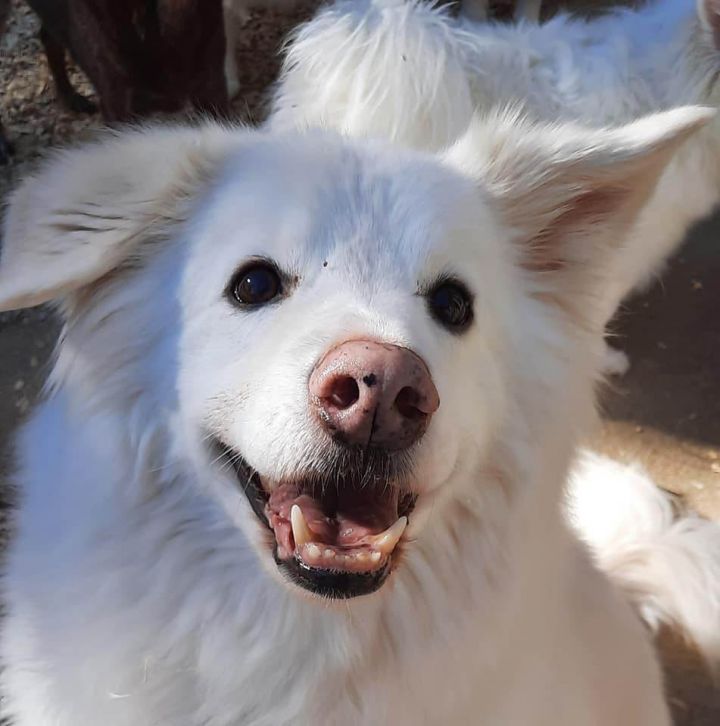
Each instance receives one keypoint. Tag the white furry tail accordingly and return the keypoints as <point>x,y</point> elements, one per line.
<point>387,68</point>
<point>668,565</point>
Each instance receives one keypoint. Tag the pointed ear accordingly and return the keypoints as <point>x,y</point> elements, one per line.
<point>569,194</point>
<point>89,209</point>
<point>709,13</point>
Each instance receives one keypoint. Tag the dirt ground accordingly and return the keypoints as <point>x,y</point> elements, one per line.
<point>664,412</point>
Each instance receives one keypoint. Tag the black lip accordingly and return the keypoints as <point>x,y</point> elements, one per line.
<point>256,496</point>
<point>332,584</point>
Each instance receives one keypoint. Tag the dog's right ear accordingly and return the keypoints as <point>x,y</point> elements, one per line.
<point>88,209</point>
<point>568,195</point>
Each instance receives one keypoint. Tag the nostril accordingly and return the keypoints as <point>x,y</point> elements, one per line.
<point>407,403</point>
<point>344,393</point>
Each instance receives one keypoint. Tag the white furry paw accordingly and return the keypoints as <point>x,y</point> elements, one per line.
<point>615,362</point>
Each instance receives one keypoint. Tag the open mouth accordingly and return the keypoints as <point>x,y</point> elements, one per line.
<point>338,537</point>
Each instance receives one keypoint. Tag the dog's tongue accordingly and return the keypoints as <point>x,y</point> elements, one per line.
<point>343,528</point>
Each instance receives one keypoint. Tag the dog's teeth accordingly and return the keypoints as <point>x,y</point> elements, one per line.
<point>301,532</point>
<point>387,541</point>
<point>362,557</point>
<point>375,557</point>
<point>329,555</point>
<point>313,550</point>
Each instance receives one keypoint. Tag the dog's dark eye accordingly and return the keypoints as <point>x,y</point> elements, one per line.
<point>256,284</point>
<point>451,305</point>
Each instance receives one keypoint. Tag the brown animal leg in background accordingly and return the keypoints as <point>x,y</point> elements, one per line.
<point>106,45</point>
<point>209,93</point>
<point>6,148</point>
<point>66,94</point>
<point>193,52</point>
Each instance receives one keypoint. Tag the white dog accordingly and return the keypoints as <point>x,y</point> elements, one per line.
<point>303,452</point>
<point>409,72</point>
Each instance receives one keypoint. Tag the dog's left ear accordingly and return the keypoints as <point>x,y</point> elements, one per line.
<point>569,194</point>
<point>88,209</point>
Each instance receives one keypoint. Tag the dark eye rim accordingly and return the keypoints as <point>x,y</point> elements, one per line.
<point>249,264</point>
<point>456,282</point>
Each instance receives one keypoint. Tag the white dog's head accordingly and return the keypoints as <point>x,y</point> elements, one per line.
<point>335,333</point>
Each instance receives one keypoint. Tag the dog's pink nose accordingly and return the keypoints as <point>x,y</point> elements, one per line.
<point>371,393</point>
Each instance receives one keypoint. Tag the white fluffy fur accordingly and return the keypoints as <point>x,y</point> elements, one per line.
<point>669,565</point>
<point>408,71</point>
<point>392,69</point>
<point>140,589</point>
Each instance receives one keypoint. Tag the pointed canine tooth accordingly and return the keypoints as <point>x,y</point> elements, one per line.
<point>387,541</point>
<point>301,532</point>
<point>313,550</point>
